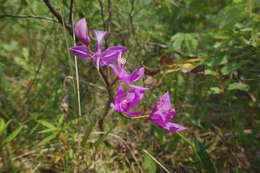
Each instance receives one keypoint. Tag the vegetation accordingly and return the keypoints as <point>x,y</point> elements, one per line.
<point>55,113</point>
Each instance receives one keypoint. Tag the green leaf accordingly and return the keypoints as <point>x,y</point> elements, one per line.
<point>61,119</point>
<point>48,139</point>
<point>231,16</point>
<point>206,161</point>
<point>88,131</point>
<point>210,72</point>
<point>215,90</point>
<point>177,40</point>
<point>190,42</point>
<point>173,144</point>
<point>220,60</point>
<point>230,68</point>
<point>102,138</point>
<point>149,164</point>
<point>159,134</point>
<point>238,86</point>
<point>25,52</point>
<point>47,131</point>
<point>3,126</point>
<point>13,135</point>
<point>46,124</point>
<point>34,129</point>
<point>11,46</point>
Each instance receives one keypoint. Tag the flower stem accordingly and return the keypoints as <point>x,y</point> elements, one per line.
<point>137,117</point>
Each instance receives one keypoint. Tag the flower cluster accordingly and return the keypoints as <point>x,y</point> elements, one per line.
<point>124,102</point>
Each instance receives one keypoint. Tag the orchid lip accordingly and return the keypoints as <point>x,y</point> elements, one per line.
<point>162,114</point>
<point>125,104</point>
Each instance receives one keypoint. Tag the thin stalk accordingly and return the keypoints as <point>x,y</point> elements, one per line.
<point>67,46</point>
<point>76,88</point>
<point>154,159</point>
<point>77,82</point>
<point>79,102</point>
<point>137,117</point>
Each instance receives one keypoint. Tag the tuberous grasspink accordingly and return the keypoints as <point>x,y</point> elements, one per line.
<point>125,102</point>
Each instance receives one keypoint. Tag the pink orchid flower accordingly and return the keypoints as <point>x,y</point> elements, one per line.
<point>162,114</point>
<point>100,58</point>
<point>125,77</point>
<point>81,31</point>
<point>125,105</point>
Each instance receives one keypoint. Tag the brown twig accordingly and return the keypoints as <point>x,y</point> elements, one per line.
<point>109,16</point>
<point>70,14</point>
<point>58,16</point>
<point>103,20</point>
<point>109,21</point>
<point>102,14</point>
<point>108,85</point>
<point>110,99</point>
<point>131,15</point>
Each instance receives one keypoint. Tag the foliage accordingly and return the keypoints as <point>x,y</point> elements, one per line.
<point>205,54</point>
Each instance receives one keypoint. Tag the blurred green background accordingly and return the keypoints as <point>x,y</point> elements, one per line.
<point>205,53</point>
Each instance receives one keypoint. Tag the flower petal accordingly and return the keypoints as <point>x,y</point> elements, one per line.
<point>133,114</point>
<point>112,106</point>
<point>81,52</point>
<point>81,31</point>
<point>119,94</point>
<point>114,68</point>
<point>130,96</point>
<point>113,49</point>
<point>158,117</point>
<point>161,117</point>
<point>165,102</point>
<point>122,69</point>
<point>137,74</point>
<point>121,73</point>
<point>112,54</point>
<point>99,36</point>
<point>138,87</point>
<point>137,99</point>
<point>110,58</point>
<point>173,127</point>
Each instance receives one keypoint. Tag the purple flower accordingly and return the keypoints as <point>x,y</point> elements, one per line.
<point>81,31</point>
<point>125,105</point>
<point>126,78</point>
<point>162,114</point>
<point>83,52</point>
<point>109,55</point>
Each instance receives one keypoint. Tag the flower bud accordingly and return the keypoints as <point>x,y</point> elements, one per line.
<point>81,31</point>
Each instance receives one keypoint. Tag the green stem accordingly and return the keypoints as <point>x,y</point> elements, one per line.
<point>137,117</point>
<point>154,159</point>
<point>189,143</point>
